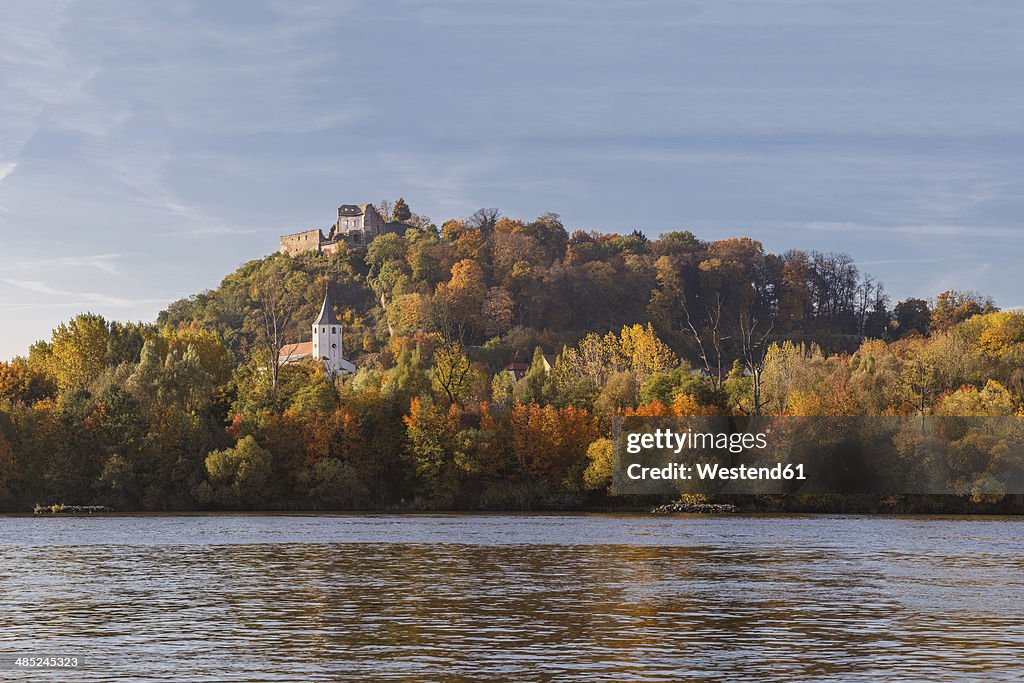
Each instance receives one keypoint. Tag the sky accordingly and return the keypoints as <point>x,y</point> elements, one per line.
<point>148,149</point>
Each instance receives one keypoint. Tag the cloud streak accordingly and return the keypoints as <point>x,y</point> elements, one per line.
<point>104,263</point>
<point>74,299</point>
<point>152,147</point>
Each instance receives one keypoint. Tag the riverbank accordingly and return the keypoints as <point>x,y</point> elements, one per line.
<point>805,504</point>
<point>62,509</point>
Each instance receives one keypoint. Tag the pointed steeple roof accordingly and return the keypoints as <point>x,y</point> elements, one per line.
<point>327,316</point>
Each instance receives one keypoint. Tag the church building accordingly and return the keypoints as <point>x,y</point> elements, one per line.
<point>325,346</point>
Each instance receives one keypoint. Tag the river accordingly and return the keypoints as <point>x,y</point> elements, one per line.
<point>514,597</point>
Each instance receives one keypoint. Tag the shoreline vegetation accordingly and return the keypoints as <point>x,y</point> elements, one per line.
<point>62,509</point>
<point>781,504</point>
<point>862,504</point>
<point>493,355</point>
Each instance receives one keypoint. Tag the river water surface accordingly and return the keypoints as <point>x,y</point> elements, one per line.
<point>514,597</point>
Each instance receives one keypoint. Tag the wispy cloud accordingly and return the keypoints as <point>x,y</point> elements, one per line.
<point>136,136</point>
<point>921,230</point>
<point>961,278</point>
<point>105,263</point>
<point>217,230</point>
<point>73,299</point>
<point>899,261</point>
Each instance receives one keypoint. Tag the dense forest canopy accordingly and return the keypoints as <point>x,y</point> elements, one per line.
<point>511,283</point>
<point>194,410</point>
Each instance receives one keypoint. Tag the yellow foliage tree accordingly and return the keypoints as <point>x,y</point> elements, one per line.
<point>213,357</point>
<point>646,354</point>
<point>78,351</point>
<point>636,349</point>
<point>598,474</point>
<point>465,291</point>
<point>783,373</point>
<point>992,400</point>
<point>686,405</point>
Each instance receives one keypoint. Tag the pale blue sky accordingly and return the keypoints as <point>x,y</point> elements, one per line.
<point>147,149</point>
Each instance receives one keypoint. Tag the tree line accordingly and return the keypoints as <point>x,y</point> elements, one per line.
<point>194,410</point>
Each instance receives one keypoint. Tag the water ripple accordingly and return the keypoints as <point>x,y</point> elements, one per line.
<point>581,598</point>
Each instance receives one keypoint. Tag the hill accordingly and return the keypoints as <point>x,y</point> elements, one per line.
<point>195,412</point>
<point>511,285</point>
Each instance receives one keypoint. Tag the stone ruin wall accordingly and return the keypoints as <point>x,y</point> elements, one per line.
<point>309,240</point>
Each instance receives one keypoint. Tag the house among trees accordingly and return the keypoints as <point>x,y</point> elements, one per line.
<point>357,226</point>
<point>325,346</point>
<point>518,369</point>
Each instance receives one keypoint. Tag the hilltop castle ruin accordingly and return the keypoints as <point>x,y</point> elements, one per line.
<point>357,226</point>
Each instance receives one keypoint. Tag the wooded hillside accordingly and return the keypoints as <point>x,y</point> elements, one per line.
<point>193,411</point>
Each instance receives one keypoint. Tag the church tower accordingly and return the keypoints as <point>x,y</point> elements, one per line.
<point>327,340</point>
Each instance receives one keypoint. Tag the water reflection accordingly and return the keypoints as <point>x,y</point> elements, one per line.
<point>618,598</point>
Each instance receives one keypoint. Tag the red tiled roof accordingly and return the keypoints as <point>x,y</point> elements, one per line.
<point>518,370</point>
<point>296,351</point>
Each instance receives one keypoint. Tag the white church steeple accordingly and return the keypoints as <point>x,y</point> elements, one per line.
<point>327,347</point>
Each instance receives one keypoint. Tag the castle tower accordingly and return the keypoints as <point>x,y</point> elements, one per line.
<point>327,347</point>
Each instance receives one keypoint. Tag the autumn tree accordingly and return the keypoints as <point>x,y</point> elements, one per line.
<point>452,373</point>
<point>78,350</point>
<point>953,307</point>
<point>784,373</point>
<point>496,315</point>
<point>432,432</point>
<point>598,475</point>
<point>461,301</point>
<point>991,400</point>
<point>548,443</point>
<point>997,335</point>
<point>919,384</point>
<point>636,349</point>
<point>643,352</point>
<point>22,382</point>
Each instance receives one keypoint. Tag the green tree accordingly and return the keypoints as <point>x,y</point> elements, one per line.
<point>277,293</point>
<point>432,434</point>
<point>335,485</point>
<point>409,377</point>
<point>117,485</point>
<point>452,374</point>
<point>912,316</point>
<point>531,388</point>
<point>665,386</point>
<point>239,475</point>
<point>10,475</point>
<point>400,211</point>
